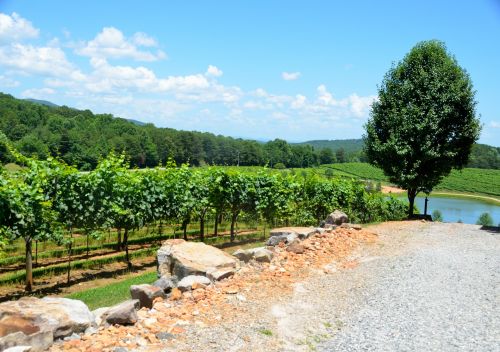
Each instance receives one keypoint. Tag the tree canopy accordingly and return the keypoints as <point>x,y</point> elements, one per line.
<point>424,123</point>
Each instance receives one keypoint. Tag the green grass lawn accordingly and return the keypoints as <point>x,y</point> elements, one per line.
<point>112,294</point>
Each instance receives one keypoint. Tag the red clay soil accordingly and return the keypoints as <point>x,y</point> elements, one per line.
<point>207,306</point>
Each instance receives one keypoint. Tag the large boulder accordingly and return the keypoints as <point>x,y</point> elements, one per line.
<point>180,258</point>
<point>124,313</point>
<point>37,322</point>
<point>336,218</point>
<point>146,294</point>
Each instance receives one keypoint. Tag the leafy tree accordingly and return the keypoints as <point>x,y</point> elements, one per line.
<point>326,156</point>
<point>340,155</point>
<point>424,123</point>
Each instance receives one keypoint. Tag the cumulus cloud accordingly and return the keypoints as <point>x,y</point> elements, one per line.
<point>111,43</point>
<point>213,71</point>
<point>290,76</point>
<point>361,105</point>
<point>45,61</point>
<point>14,28</point>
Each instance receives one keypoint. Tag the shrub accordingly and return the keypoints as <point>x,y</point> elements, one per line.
<point>279,166</point>
<point>437,216</point>
<point>485,219</point>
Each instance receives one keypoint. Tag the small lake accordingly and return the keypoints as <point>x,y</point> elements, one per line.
<point>455,209</point>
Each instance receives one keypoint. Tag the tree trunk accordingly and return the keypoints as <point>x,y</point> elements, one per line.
<point>119,239</point>
<point>125,243</point>
<point>412,193</point>
<point>70,246</point>
<point>202,228</point>
<point>234,217</point>
<point>216,226</point>
<point>29,266</point>
<point>184,229</point>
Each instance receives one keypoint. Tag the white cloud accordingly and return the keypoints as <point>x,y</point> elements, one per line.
<point>299,101</point>
<point>495,124</point>
<point>142,39</point>
<point>361,105</point>
<point>8,82</point>
<point>45,61</point>
<point>14,28</point>
<point>213,71</point>
<point>37,93</point>
<point>290,76</point>
<point>111,43</point>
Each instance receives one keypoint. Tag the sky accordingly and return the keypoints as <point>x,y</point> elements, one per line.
<point>296,70</point>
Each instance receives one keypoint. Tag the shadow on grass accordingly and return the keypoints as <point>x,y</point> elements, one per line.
<point>57,287</point>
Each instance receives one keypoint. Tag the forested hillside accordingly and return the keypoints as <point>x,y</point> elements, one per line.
<point>80,138</point>
<point>351,150</point>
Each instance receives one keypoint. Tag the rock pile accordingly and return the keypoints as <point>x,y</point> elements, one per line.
<point>200,305</point>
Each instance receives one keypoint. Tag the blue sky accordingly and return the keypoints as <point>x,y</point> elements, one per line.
<point>297,70</point>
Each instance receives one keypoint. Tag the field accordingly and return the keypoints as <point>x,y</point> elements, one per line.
<point>469,180</point>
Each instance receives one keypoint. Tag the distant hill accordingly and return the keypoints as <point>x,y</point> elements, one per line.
<point>80,138</point>
<point>483,156</point>
<point>349,145</point>
<point>136,122</point>
<point>42,102</point>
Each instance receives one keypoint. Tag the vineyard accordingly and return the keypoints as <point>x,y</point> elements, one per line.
<point>56,221</point>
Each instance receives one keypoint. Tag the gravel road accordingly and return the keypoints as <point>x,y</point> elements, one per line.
<point>439,291</point>
<point>420,287</point>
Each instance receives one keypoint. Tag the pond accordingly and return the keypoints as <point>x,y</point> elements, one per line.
<point>460,209</point>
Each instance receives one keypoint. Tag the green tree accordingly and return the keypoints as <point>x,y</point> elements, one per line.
<point>424,123</point>
<point>340,155</point>
<point>326,156</point>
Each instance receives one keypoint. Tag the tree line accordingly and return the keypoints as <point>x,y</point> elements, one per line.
<point>81,138</point>
<point>48,199</point>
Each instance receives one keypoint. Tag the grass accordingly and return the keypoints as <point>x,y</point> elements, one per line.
<point>266,332</point>
<point>19,275</point>
<point>112,294</point>
<point>468,181</point>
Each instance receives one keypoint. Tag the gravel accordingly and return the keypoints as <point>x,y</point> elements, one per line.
<point>439,294</point>
<point>420,287</point>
